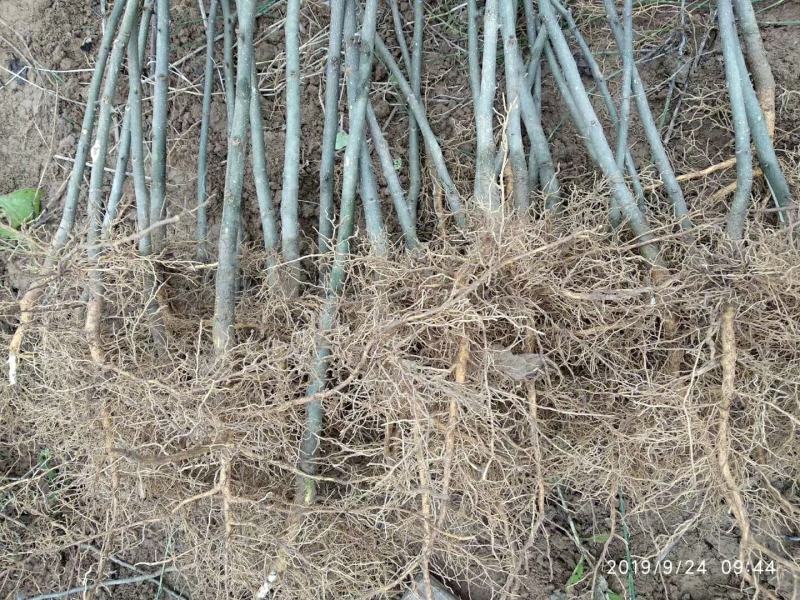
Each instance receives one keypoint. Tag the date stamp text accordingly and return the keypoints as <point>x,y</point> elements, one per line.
<point>644,567</point>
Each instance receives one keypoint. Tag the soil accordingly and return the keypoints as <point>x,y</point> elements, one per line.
<point>46,55</point>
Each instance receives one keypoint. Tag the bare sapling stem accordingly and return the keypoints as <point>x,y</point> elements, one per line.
<point>567,95</point>
<point>473,52</point>
<point>626,50</point>
<point>431,144</point>
<point>592,130</point>
<point>414,160</point>
<point>744,158</point>
<point>413,65</point>
<point>757,60</point>
<point>100,152</point>
<point>120,175</point>
<point>100,147</point>
<point>227,60</point>
<point>536,50</point>
<point>261,179</point>
<point>135,51</point>
<point>368,187</point>
<point>201,229</point>
<point>124,144</point>
<point>485,187</point>
<point>371,201</point>
<point>651,131</point>
<point>331,125</point>
<point>513,72</point>
<point>530,23</point>
<point>402,209</point>
<point>137,147</point>
<point>228,252</point>
<point>87,128</point>
<point>290,220</point>
<point>627,163</point>
<point>400,36</point>
<point>578,119</point>
<point>158,153</point>
<point>588,55</point>
<point>531,29</point>
<point>309,446</point>
<point>542,160</point>
<point>765,150</point>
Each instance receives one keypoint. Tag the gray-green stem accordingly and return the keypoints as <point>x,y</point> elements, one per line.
<point>592,130</point>
<point>227,269</point>
<point>331,125</point>
<point>290,201</point>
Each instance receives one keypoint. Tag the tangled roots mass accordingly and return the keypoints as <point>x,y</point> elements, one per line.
<point>426,458</point>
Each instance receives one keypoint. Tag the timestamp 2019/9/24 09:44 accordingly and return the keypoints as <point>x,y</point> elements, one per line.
<point>688,567</point>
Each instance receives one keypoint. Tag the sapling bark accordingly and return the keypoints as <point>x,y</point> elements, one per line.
<point>542,161</point>
<point>227,60</point>
<point>135,49</point>
<point>368,187</point>
<point>413,64</point>
<point>531,29</point>
<point>100,151</point>
<point>626,50</point>
<point>534,60</point>
<point>513,127</point>
<point>309,445</point>
<point>201,229</point>
<point>567,95</point>
<point>261,179</point>
<point>403,210</point>
<point>485,187</point>
<point>651,131</point>
<point>591,129</point>
<point>123,146</point>
<point>757,59</point>
<point>473,53</point>
<point>158,187</point>
<point>600,82</point>
<point>414,159</point>
<point>627,163</point>
<point>290,221</point>
<point>371,202</point>
<point>224,305</point>
<point>530,22</point>
<point>87,128</point>
<point>400,36</point>
<point>100,146</point>
<point>759,129</point>
<point>331,125</point>
<point>431,144</point>
<point>137,147</point>
<point>744,159</point>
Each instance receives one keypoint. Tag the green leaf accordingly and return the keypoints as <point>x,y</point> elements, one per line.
<point>341,140</point>
<point>21,206</point>
<point>613,596</point>
<point>398,164</point>
<point>577,574</point>
<point>600,538</point>
<point>18,208</point>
